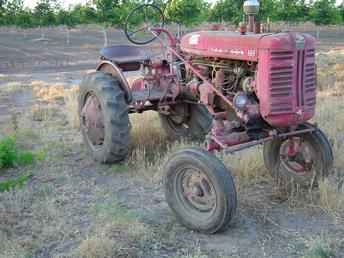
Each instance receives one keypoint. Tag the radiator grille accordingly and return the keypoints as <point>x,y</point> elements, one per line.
<point>310,79</point>
<point>281,78</point>
<point>289,70</point>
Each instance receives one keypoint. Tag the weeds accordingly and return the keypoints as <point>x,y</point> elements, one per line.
<point>8,152</point>
<point>18,182</point>
<point>331,196</point>
<point>10,156</point>
<point>319,248</point>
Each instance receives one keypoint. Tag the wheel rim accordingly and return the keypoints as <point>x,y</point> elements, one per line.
<point>92,121</point>
<point>298,156</point>
<point>195,191</point>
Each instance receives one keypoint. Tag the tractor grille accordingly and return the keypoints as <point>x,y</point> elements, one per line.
<point>310,79</point>
<point>292,81</point>
<point>281,76</point>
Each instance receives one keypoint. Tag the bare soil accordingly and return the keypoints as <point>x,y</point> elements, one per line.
<point>74,207</point>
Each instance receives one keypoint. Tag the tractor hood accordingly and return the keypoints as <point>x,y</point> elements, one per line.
<point>233,45</point>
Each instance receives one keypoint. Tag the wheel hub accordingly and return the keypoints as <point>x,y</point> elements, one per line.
<point>297,156</point>
<point>92,121</point>
<point>198,190</point>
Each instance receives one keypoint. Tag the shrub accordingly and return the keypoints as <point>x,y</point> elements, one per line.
<point>8,152</point>
<point>10,156</point>
<point>10,184</point>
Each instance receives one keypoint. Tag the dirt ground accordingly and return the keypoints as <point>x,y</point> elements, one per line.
<point>74,207</point>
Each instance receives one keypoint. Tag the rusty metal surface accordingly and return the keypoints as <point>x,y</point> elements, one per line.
<point>239,147</point>
<point>92,121</point>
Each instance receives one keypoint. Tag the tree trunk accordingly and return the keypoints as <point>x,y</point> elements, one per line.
<point>179,30</point>
<point>42,33</point>
<point>68,36</point>
<point>106,42</point>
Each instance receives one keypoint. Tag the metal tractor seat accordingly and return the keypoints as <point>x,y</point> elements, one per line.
<point>121,54</point>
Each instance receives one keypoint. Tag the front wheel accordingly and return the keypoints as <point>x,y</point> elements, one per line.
<point>303,159</point>
<point>200,190</point>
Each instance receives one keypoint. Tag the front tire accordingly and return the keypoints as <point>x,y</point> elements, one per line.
<point>200,190</point>
<point>317,163</point>
<point>104,117</point>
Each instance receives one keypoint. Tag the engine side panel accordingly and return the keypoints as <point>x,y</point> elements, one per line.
<point>286,79</point>
<point>221,44</point>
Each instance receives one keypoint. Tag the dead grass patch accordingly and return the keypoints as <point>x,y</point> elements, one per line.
<point>71,104</point>
<point>12,87</point>
<point>117,233</point>
<point>54,93</point>
<point>48,92</point>
<point>332,197</point>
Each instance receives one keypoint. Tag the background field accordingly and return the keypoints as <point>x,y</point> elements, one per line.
<point>73,207</point>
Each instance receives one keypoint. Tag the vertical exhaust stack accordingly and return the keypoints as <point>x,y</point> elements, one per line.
<point>251,9</point>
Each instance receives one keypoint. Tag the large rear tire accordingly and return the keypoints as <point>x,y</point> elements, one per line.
<point>200,190</point>
<point>104,117</point>
<point>187,121</point>
<point>315,156</point>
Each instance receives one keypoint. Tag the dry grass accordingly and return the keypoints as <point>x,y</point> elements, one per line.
<point>331,72</point>
<point>12,87</point>
<point>332,197</point>
<point>71,105</point>
<point>97,247</point>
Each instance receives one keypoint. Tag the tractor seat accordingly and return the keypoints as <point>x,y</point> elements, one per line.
<point>124,54</point>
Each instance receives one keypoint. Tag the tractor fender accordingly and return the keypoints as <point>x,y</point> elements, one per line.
<point>111,68</point>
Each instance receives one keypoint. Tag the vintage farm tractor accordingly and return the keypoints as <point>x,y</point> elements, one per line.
<point>236,89</point>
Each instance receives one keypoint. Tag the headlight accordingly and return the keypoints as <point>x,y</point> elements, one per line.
<point>240,101</point>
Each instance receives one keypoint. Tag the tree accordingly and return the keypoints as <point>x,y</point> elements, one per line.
<point>105,11</point>
<point>187,12</point>
<point>227,10</point>
<point>292,10</point>
<point>2,12</point>
<point>84,14</point>
<point>12,9</point>
<point>341,11</point>
<point>325,12</point>
<point>44,13</point>
<point>24,18</point>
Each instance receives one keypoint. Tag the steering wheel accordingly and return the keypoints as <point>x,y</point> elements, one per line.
<point>141,21</point>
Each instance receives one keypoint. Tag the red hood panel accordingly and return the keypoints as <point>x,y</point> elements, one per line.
<point>233,45</point>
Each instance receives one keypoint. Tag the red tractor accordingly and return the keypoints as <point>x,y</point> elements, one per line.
<point>236,89</point>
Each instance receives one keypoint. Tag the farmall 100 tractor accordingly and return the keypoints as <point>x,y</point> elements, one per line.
<point>236,89</point>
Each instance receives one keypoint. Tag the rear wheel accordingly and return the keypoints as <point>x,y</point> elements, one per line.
<point>200,190</point>
<point>187,120</point>
<point>302,159</point>
<point>104,117</point>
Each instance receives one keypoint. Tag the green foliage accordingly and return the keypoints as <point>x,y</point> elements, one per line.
<point>8,152</point>
<point>44,13</point>
<point>10,156</point>
<point>319,251</point>
<point>228,11</point>
<point>18,182</point>
<point>325,12</point>
<point>187,12</point>
<point>120,168</point>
